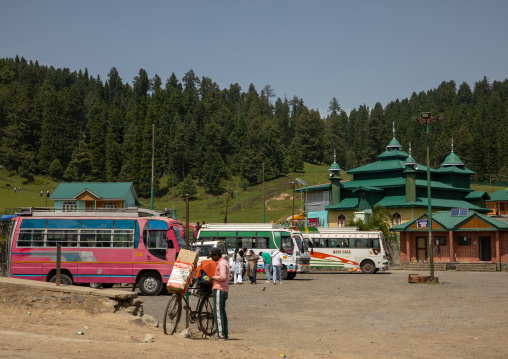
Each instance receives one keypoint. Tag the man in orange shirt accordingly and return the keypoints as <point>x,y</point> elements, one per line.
<point>220,293</point>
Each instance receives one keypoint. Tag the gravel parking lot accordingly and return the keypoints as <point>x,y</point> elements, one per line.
<point>379,315</point>
<point>346,315</point>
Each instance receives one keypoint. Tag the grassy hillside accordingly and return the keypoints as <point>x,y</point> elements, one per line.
<point>244,206</point>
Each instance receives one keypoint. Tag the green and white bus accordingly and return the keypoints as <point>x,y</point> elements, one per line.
<point>262,237</point>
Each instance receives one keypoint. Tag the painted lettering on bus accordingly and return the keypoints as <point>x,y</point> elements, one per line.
<point>342,251</point>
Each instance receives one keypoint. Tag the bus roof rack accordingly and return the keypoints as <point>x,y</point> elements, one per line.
<point>101,212</point>
<point>219,226</point>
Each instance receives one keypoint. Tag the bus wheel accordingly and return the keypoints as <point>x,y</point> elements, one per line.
<point>64,279</point>
<point>150,284</point>
<point>368,267</point>
<point>283,273</point>
<point>95,285</point>
<point>291,275</point>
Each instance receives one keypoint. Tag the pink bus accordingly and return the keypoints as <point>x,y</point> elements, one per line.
<point>132,245</point>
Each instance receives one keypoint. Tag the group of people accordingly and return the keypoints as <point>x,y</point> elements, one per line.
<point>220,280</point>
<point>271,261</point>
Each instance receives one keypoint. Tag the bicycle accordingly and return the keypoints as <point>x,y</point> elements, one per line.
<point>203,313</point>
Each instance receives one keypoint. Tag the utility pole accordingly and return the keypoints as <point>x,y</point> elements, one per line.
<point>263,192</point>
<point>427,120</point>
<point>153,146</point>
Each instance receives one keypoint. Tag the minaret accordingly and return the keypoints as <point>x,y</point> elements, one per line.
<point>335,180</point>
<point>410,172</point>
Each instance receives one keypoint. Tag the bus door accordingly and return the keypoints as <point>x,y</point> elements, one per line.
<point>155,238</point>
<point>175,242</point>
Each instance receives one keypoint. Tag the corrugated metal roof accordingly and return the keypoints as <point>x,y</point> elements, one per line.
<point>451,223</point>
<point>348,203</point>
<point>400,201</point>
<point>455,170</point>
<point>501,195</point>
<point>104,190</point>
<point>477,195</point>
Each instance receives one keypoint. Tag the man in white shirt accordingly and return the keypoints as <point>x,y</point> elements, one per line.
<point>277,265</point>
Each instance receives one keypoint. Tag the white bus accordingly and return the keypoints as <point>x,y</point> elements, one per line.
<point>262,238</point>
<point>347,249</point>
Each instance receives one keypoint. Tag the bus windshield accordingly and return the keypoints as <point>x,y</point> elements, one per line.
<point>179,237</point>
<point>299,242</point>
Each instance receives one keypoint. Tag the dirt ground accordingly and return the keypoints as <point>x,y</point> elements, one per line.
<point>337,315</point>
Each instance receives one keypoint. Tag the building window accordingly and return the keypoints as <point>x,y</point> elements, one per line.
<point>396,219</point>
<point>440,241</point>
<point>341,221</point>
<point>109,205</point>
<point>464,240</point>
<point>70,207</point>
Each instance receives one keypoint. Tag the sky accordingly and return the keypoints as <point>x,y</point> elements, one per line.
<point>359,52</point>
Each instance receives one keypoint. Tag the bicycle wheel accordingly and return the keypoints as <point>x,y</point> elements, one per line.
<point>206,322</point>
<point>172,314</point>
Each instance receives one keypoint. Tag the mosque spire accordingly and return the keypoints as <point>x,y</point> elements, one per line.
<point>452,144</point>
<point>393,124</point>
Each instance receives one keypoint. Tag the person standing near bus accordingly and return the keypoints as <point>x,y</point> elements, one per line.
<point>252,266</point>
<point>266,264</point>
<point>237,267</point>
<point>220,291</point>
<point>277,266</point>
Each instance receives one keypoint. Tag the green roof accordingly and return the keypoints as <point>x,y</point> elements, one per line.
<point>422,202</point>
<point>452,160</point>
<point>103,190</point>
<point>334,167</point>
<point>441,185</point>
<point>453,223</point>
<point>455,170</point>
<point>380,166</point>
<point>376,183</point>
<point>348,203</point>
<point>393,155</point>
<point>476,195</point>
<point>387,166</point>
<point>501,195</point>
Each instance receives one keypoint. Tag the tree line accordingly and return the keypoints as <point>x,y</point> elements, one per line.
<point>77,127</point>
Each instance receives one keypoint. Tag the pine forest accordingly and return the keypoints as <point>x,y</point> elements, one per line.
<point>77,127</point>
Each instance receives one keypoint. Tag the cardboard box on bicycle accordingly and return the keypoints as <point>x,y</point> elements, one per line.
<point>187,256</point>
<point>183,271</point>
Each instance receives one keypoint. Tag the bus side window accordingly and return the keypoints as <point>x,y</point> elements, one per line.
<point>24,239</point>
<point>38,238</point>
<point>334,242</point>
<point>315,241</point>
<point>323,242</point>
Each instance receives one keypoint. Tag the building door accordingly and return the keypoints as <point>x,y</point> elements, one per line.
<point>485,249</point>
<point>421,248</point>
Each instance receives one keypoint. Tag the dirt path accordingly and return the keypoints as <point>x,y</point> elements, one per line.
<point>313,316</point>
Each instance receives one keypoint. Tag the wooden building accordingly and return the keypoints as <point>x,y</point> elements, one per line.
<point>498,202</point>
<point>85,196</point>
